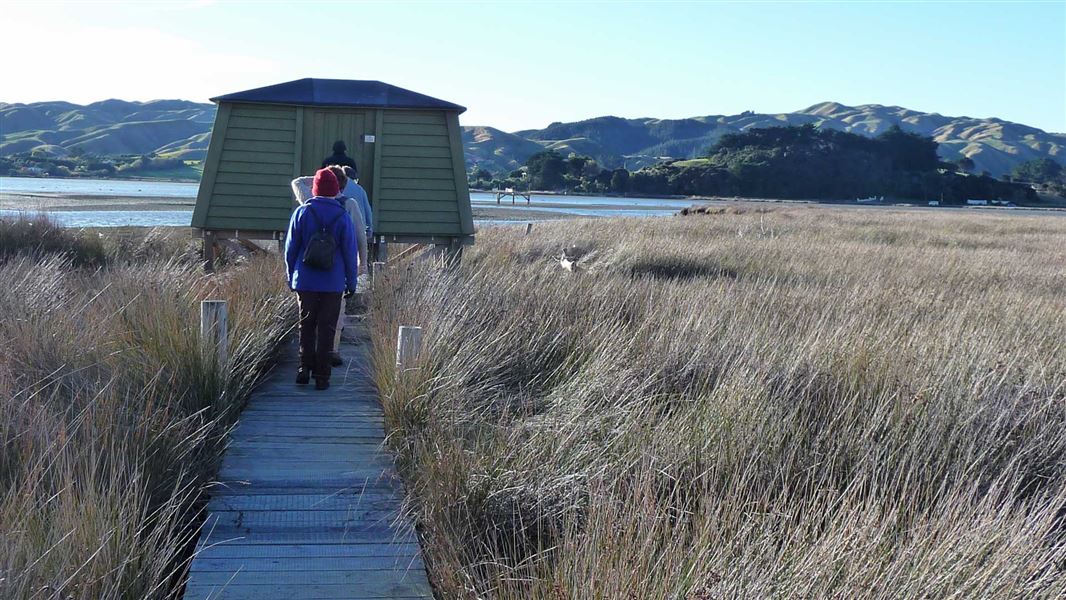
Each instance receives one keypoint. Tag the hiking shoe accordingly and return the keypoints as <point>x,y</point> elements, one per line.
<point>335,359</point>
<point>303,376</point>
<point>321,384</point>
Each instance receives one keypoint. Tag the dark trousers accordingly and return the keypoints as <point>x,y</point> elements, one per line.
<point>318,324</point>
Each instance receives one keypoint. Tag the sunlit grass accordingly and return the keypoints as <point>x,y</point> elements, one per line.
<point>807,403</point>
<point>111,416</point>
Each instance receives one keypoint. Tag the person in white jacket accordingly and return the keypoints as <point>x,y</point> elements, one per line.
<point>301,189</point>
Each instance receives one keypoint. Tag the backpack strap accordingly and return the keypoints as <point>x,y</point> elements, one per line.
<point>336,219</point>
<point>318,221</point>
<point>314,215</point>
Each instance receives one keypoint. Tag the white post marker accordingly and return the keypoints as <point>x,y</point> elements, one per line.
<point>408,345</point>
<point>213,330</point>
<point>529,228</point>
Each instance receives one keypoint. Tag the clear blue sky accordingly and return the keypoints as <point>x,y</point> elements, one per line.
<point>524,64</point>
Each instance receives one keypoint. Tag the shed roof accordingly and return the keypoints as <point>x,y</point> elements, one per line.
<point>339,92</point>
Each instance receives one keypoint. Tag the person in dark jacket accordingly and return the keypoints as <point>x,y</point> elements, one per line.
<point>339,156</point>
<point>320,291</point>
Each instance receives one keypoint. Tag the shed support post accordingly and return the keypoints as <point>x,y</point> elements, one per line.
<point>381,250</point>
<point>209,251</point>
<point>448,256</point>
<point>377,269</point>
<point>408,346</point>
<point>440,255</point>
<point>454,255</point>
<point>213,331</point>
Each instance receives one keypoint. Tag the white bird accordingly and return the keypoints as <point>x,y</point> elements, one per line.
<point>566,263</point>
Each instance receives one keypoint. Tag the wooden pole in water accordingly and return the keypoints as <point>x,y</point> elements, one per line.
<point>214,330</point>
<point>408,345</point>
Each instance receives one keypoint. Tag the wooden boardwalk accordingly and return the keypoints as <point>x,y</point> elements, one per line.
<point>307,500</point>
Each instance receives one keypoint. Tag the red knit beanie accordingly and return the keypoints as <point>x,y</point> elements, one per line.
<point>325,184</point>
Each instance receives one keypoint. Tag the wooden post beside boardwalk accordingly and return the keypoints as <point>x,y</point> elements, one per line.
<point>408,346</point>
<point>214,330</point>
<point>307,501</point>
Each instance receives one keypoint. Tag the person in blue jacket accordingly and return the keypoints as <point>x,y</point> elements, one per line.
<point>320,291</point>
<point>353,190</point>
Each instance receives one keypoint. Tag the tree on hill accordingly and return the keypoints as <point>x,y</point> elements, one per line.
<point>808,162</point>
<point>575,165</point>
<point>909,151</point>
<point>965,164</point>
<point>1040,170</point>
<point>546,170</point>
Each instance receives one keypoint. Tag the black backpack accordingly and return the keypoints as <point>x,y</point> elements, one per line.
<point>318,254</point>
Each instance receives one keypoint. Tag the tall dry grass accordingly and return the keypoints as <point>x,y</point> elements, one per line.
<point>807,403</point>
<point>111,416</point>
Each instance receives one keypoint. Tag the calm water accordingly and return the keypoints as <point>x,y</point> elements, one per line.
<point>485,199</point>
<point>98,187</point>
<point>580,206</point>
<point>112,218</point>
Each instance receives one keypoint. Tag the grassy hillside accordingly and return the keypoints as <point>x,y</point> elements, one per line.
<point>497,150</point>
<point>111,127</point>
<point>994,145</point>
<point>805,403</point>
<point>181,129</point>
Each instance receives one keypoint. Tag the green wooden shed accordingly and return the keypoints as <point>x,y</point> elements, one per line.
<point>407,146</point>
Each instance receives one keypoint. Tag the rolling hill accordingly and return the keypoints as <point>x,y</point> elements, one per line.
<point>175,128</point>
<point>993,144</point>
<point>179,128</point>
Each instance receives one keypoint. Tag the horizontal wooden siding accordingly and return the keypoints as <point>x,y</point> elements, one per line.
<point>417,191</point>
<point>250,188</point>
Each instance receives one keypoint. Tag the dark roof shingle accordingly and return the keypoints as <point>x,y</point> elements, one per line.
<point>338,92</point>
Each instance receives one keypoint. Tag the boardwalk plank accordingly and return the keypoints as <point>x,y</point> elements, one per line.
<point>306,502</point>
<point>306,591</point>
<point>301,451</point>
<point>366,535</point>
<point>320,563</point>
<point>300,478</point>
<point>247,488</point>
<point>366,415</point>
<point>308,550</point>
<point>323,462</point>
<point>387,578</point>
<point>315,520</point>
<point>332,438</point>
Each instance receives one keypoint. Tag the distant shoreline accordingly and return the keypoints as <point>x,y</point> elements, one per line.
<point>97,178</point>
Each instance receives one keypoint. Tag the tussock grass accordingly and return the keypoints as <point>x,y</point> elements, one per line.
<point>808,403</point>
<point>36,235</point>
<point>111,416</point>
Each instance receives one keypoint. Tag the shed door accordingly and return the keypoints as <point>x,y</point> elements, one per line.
<point>322,127</point>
